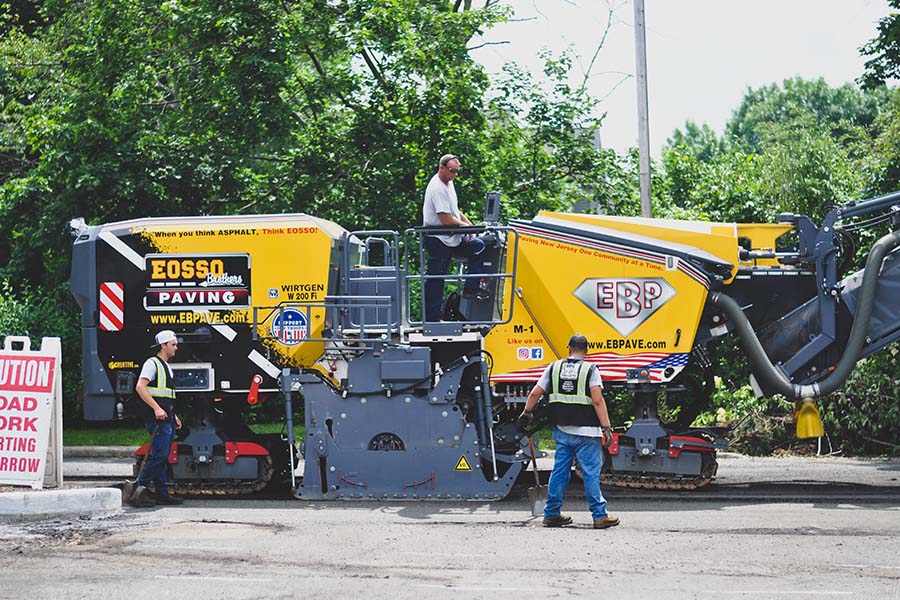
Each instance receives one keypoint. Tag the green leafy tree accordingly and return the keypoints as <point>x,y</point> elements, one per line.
<point>884,50</point>
<point>123,109</point>
<point>115,110</point>
<point>864,415</point>
<point>806,170</point>
<point>725,187</point>
<point>544,148</point>
<point>41,314</point>
<point>801,147</point>
<point>844,112</point>
<point>884,158</point>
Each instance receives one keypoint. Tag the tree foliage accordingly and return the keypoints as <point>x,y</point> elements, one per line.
<point>800,147</point>
<point>544,153</point>
<point>884,159</point>
<point>123,109</point>
<point>884,50</point>
<point>840,111</point>
<point>864,415</point>
<point>114,110</point>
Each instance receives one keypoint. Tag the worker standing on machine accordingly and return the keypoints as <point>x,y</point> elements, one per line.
<point>441,209</point>
<point>580,418</point>
<point>160,397</point>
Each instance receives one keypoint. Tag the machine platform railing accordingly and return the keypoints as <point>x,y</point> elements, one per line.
<point>327,322</point>
<point>371,281</point>
<point>492,306</point>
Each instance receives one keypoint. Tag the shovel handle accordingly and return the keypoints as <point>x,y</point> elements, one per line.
<point>537,480</point>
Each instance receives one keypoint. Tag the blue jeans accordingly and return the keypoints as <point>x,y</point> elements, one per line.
<point>589,452</point>
<point>156,467</point>
<point>439,256</point>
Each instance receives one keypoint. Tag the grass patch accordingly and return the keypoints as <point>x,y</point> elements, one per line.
<point>274,428</point>
<point>125,435</point>
<point>105,436</point>
<point>544,439</point>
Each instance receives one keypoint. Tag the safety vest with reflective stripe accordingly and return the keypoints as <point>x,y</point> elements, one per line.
<point>162,391</point>
<point>570,396</point>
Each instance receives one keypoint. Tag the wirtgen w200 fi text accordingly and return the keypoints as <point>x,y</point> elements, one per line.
<point>394,407</point>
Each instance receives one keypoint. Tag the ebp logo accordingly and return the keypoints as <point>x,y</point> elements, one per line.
<point>624,303</point>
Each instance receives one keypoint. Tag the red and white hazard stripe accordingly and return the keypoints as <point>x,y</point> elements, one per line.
<point>112,306</point>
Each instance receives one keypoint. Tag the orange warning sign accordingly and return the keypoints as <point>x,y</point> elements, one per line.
<point>462,464</point>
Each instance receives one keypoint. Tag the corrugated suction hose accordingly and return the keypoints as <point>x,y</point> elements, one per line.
<point>773,377</point>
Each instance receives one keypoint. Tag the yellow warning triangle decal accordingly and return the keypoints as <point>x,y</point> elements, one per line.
<point>462,464</point>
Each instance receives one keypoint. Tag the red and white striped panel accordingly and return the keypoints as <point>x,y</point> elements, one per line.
<point>112,306</point>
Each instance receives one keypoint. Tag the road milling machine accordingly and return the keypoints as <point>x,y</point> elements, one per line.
<point>394,407</point>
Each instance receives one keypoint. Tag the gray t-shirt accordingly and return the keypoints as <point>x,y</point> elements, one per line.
<point>440,197</point>
<point>594,381</point>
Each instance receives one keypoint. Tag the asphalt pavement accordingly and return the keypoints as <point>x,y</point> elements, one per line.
<point>92,475</point>
<point>798,527</point>
<point>284,549</point>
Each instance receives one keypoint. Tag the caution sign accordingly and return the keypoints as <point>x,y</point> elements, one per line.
<point>462,464</point>
<point>29,393</point>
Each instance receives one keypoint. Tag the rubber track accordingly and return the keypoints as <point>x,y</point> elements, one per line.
<point>665,482</point>
<point>206,487</point>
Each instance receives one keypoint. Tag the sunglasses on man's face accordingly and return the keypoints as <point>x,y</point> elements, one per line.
<point>454,171</point>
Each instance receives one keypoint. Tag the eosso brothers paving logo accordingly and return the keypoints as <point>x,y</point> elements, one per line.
<point>625,303</point>
<point>197,281</point>
<point>290,326</point>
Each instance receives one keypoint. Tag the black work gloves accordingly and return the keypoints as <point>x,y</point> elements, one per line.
<point>525,419</point>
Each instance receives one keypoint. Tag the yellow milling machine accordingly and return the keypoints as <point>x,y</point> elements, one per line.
<point>394,407</point>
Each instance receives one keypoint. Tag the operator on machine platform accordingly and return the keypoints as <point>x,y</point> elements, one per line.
<point>578,413</point>
<point>441,209</point>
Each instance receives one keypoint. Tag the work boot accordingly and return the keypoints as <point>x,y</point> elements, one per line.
<point>607,521</point>
<point>558,521</point>
<point>169,500</point>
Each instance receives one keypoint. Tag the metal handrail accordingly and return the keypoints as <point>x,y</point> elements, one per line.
<point>417,233</point>
<point>332,307</point>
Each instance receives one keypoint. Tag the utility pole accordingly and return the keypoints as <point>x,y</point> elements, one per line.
<point>640,56</point>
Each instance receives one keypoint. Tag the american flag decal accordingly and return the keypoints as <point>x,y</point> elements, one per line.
<point>613,367</point>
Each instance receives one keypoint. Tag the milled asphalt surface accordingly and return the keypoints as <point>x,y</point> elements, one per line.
<point>274,549</point>
<point>818,527</point>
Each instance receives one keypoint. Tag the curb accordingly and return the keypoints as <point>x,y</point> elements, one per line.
<point>98,451</point>
<point>42,504</point>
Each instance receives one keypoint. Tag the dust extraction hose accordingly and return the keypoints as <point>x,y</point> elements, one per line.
<point>771,375</point>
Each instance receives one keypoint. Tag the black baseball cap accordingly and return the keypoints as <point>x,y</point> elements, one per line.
<point>578,342</point>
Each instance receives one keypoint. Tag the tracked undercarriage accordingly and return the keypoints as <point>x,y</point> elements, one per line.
<point>665,481</point>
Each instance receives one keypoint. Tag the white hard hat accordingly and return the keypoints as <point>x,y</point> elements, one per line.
<point>165,336</point>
